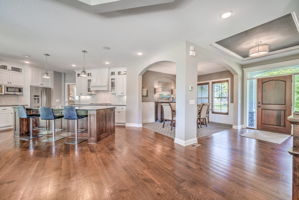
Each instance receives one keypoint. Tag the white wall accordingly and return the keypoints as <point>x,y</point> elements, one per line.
<point>174,53</point>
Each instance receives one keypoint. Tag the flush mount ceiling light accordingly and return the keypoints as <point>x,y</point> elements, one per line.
<point>46,74</point>
<point>97,2</point>
<point>83,72</point>
<point>226,15</point>
<point>259,50</point>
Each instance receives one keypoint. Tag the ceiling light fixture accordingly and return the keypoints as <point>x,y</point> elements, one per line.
<point>26,56</point>
<point>107,63</point>
<point>46,74</point>
<point>27,62</point>
<point>73,65</point>
<point>259,50</point>
<point>83,72</point>
<point>139,53</point>
<point>227,15</point>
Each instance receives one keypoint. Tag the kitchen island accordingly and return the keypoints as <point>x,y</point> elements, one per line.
<point>100,121</point>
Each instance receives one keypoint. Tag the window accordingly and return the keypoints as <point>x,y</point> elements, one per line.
<point>220,96</point>
<point>296,106</point>
<point>203,93</point>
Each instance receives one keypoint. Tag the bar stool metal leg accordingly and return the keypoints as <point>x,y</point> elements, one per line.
<point>76,140</point>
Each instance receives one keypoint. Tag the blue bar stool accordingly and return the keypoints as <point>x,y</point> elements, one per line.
<point>70,113</point>
<point>23,115</point>
<point>47,114</point>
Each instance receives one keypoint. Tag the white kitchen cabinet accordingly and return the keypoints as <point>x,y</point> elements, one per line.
<point>4,77</point>
<point>81,86</point>
<point>12,76</point>
<point>121,85</point>
<point>38,80</point>
<point>6,118</point>
<point>118,81</point>
<point>99,79</point>
<point>16,78</point>
<point>120,115</point>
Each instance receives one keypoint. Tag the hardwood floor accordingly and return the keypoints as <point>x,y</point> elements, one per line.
<point>138,164</point>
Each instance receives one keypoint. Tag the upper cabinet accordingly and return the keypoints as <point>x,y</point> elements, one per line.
<point>118,81</point>
<point>10,75</point>
<point>112,80</point>
<point>99,79</point>
<point>38,80</point>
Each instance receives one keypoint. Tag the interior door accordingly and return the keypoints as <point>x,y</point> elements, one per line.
<point>274,100</point>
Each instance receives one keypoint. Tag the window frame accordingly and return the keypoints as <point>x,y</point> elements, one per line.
<point>204,83</point>
<point>228,96</point>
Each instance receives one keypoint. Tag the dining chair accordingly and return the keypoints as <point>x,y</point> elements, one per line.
<point>70,113</point>
<point>168,115</point>
<point>47,114</point>
<point>21,110</point>
<point>202,116</point>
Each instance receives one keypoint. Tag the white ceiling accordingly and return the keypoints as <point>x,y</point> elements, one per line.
<point>62,29</point>
<point>204,67</point>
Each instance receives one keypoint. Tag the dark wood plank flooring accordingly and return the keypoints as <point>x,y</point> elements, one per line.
<point>139,164</point>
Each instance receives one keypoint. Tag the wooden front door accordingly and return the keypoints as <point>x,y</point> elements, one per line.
<point>274,102</point>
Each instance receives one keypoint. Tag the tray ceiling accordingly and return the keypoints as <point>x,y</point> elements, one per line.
<point>281,33</point>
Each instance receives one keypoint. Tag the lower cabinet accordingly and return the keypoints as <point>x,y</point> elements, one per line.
<point>6,118</point>
<point>120,115</point>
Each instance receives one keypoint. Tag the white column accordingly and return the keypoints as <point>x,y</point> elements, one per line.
<point>238,111</point>
<point>186,98</point>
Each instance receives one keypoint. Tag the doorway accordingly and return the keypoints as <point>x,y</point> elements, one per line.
<point>274,103</point>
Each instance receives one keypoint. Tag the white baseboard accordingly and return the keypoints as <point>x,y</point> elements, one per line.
<point>185,142</point>
<point>238,126</point>
<point>133,125</point>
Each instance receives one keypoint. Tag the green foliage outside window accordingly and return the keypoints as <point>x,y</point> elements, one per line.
<point>275,72</point>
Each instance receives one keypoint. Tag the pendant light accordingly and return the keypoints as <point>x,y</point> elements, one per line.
<point>83,72</point>
<point>46,74</point>
<point>259,50</point>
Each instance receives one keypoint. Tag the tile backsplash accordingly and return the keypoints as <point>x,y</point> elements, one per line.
<point>102,97</point>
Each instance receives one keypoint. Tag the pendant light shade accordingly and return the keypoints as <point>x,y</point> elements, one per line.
<point>259,50</point>
<point>83,72</point>
<point>46,75</point>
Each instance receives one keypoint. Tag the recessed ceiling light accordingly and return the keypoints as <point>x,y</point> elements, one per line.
<point>27,62</point>
<point>107,63</point>
<point>26,56</point>
<point>139,53</point>
<point>227,15</point>
<point>106,48</point>
<point>73,65</point>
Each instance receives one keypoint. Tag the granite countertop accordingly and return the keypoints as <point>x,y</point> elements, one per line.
<point>79,108</point>
<point>94,107</point>
<point>99,104</point>
<point>11,105</point>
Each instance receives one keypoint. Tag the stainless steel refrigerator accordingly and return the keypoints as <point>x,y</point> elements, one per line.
<point>40,97</point>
